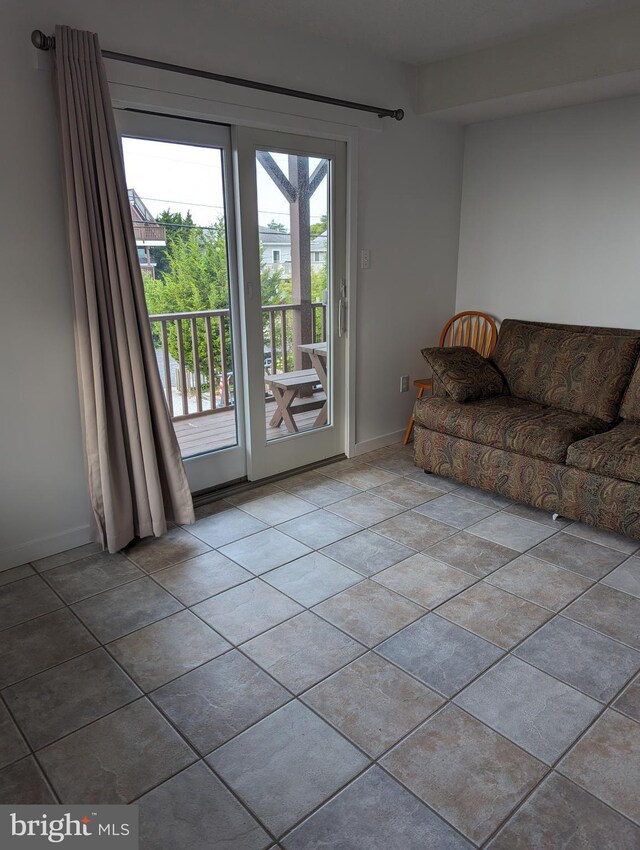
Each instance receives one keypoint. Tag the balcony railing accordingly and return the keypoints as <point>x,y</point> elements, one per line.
<point>146,232</point>
<point>195,355</point>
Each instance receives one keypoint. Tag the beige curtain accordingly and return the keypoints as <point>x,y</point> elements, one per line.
<point>136,477</point>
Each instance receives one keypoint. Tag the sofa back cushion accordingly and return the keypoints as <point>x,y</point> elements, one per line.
<point>585,370</point>
<point>630,408</point>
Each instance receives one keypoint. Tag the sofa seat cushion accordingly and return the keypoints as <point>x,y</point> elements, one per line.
<point>616,453</point>
<point>509,423</point>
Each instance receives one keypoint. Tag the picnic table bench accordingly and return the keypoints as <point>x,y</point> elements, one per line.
<point>287,388</point>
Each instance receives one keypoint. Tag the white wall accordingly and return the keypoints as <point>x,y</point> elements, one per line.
<point>550,225</point>
<point>583,60</point>
<point>408,207</point>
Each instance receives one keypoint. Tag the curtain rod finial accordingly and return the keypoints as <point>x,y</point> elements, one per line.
<point>42,41</point>
<point>398,114</point>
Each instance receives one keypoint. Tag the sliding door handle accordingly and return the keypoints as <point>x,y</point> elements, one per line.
<point>342,309</point>
<point>342,317</point>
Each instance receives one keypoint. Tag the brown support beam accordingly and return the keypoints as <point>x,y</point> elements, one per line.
<point>301,258</point>
<point>298,189</point>
<point>276,174</point>
<point>320,172</point>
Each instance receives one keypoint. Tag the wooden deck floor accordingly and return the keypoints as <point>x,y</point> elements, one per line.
<point>218,430</point>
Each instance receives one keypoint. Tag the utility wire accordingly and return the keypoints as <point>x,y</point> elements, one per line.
<point>213,206</point>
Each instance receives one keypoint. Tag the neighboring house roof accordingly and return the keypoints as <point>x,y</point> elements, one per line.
<point>139,211</point>
<point>319,243</point>
<point>275,238</point>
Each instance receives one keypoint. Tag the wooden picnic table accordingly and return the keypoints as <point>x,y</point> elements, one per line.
<point>292,390</point>
<point>286,388</point>
<point>317,351</point>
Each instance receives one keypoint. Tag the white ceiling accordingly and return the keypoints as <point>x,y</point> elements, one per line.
<point>415,31</point>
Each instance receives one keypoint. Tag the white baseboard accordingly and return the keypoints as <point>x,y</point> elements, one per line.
<point>378,443</point>
<point>44,546</point>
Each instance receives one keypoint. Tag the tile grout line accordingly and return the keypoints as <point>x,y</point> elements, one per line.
<point>34,753</point>
<point>294,698</point>
<point>372,577</point>
<point>147,695</point>
<point>367,649</point>
<point>142,696</point>
<point>322,718</point>
<point>31,753</point>
<point>447,699</point>
<point>554,765</point>
<point>574,742</point>
<point>203,760</point>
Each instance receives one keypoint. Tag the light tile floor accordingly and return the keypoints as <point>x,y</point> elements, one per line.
<point>363,657</point>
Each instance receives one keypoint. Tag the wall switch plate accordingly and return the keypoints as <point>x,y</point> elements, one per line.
<point>365,258</point>
<point>404,383</point>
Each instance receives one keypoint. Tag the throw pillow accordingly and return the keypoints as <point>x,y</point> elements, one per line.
<point>465,374</point>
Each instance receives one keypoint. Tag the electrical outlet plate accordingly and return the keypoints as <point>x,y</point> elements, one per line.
<point>404,383</point>
<point>365,258</point>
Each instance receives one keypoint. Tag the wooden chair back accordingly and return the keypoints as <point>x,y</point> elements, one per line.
<point>471,328</point>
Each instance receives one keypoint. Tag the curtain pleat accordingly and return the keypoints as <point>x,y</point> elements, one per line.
<point>136,476</point>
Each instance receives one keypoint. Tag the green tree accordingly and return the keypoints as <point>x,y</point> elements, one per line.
<point>274,288</point>
<point>192,276</point>
<point>319,226</point>
<point>277,226</point>
<point>177,229</point>
<point>318,289</point>
<point>318,283</point>
<point>196,275</point>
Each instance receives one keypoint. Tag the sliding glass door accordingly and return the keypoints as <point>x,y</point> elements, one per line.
<point>180,195</point>
<point>292,210</point>
<point>240,237</point>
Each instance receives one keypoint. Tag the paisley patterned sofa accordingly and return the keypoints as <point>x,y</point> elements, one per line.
<point>560,432</point>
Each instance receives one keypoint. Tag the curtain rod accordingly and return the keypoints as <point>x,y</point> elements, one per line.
<point>48,42</point>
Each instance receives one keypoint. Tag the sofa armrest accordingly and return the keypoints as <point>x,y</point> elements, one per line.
<point>463,374</point>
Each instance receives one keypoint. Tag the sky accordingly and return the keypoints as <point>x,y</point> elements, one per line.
<point>184,177</point>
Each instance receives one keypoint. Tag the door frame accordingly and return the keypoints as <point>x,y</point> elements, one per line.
<point>224,465</point>
<point>133,87</point>
<point>270,457</point>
